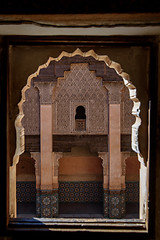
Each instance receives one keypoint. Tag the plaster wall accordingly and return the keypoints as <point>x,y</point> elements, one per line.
<point>80,169</point>
<point>25,170</point>
<point>132,169</point>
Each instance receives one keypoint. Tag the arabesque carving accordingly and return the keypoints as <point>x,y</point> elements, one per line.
<point>80,86</point>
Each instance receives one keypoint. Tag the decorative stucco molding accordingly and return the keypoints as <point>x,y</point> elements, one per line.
<point>45,91</point>
<point>104,157</point>
<point>56,157</point>
<point>20,144</point>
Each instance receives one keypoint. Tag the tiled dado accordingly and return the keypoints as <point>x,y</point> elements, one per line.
<point>132,192</point>
<point>47,203</point>
<point>114,203</point>
<point>106,203</point>
<point>86,191</point>
<point>25,191</point>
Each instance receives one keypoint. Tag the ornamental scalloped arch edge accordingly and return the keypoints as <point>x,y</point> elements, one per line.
<point>20,134</point>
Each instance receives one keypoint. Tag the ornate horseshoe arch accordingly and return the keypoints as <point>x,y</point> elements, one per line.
<point>20,142</point>
<point>47,99</point>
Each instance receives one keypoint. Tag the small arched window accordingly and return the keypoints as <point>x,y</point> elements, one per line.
<point>80,119</point>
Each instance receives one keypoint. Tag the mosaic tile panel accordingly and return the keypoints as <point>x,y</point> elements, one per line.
<point>80,192</point>
<point>26,191</point>
<point>106,203</point>
<point>132,192</point>
<point>47,203</point>
<point>38,203</point>
<point>116,204</point>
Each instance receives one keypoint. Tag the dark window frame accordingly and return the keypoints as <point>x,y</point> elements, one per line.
<point>120,229</point>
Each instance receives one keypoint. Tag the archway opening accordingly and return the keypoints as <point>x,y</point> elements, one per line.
<point>80,184</point>
<point>26,186</point>
<point>114,183</point>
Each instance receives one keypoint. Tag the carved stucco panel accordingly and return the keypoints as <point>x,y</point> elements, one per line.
<point>127,119</point>
<point>80,86</point>
<point>31,109</point>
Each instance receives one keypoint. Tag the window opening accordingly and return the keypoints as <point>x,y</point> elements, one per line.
<point>80,119</point>
<point>113,201</point>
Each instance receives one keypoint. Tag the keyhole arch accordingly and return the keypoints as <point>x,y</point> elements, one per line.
<point>80,112</point>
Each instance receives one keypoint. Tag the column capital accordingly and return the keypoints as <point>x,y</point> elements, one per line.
<point>114,91</point>
<point>45,91</point>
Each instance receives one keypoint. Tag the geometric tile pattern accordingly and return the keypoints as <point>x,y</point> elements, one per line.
<point>26,191</point>
<point>116,204</point>
<point>47,200</point>
<point>80,191</point>
<point>47,203</point>
<point>106,203</point>
<point>132,192</point>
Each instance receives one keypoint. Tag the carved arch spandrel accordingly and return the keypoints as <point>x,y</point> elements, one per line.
<point>20,143</point>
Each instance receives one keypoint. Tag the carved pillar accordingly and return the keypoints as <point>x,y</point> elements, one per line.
<point>104,157</point>
<point>116,192</point>
<point>48,196</point>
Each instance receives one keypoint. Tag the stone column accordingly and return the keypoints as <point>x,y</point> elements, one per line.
<point>48,195</point>
<point>116,192</point>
